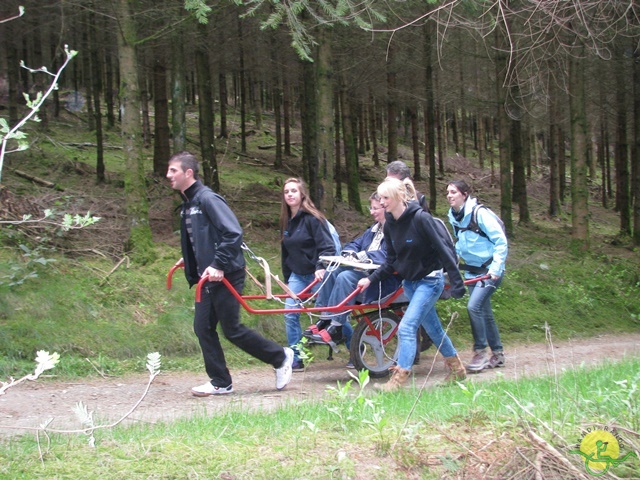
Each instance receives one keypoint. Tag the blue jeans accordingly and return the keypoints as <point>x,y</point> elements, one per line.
<point>483,324</point>
<point>337,285</point>
<point>297,283</point>
<point>422,295</point>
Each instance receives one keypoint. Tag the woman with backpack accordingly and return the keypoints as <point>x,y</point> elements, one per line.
<point>482,246</point>
<point>419,255</point>
<point>305,236</point>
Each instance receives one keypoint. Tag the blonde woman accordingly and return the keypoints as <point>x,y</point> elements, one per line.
<point>416,252</point>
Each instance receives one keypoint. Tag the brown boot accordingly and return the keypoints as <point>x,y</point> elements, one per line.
<point>398,379</point>
<point>455,368</point>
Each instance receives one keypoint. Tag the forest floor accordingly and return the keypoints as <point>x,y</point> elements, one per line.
<point>29,404</point>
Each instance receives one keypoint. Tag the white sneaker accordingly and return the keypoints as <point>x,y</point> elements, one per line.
<point>283,374</point>
<point>208,388</point>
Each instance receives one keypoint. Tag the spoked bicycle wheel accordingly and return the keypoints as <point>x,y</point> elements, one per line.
<point>374,346</point>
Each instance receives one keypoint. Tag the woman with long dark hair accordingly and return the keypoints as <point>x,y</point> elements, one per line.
<point>305,237</point>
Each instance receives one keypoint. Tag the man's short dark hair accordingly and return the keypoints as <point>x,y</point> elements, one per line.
<point>188,161</point>
<point>399,169</point>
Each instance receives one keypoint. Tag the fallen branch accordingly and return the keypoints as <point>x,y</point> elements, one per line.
<point>114,269</point>
<point>41,181</point>
<point>267,147</point>
<point>92,145</point>
<point>553,451</point>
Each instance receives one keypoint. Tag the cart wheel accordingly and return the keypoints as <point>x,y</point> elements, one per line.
<point>375,347</point>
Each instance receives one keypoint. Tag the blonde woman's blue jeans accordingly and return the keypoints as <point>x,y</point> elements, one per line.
<point>423,295</point>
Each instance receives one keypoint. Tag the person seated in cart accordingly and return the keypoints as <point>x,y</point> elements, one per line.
<point>370,247</point>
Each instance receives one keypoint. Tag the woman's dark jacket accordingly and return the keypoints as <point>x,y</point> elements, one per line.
<point>304,240</point>
<point>412,255</point>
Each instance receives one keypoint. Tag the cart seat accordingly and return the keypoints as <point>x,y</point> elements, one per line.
<point>402,298</point>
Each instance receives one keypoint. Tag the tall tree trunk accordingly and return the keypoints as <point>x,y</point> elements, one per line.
<point>442,144</point>
<point>350,153</point>
<point>607,160</point>
<point>454,130</point>
<point>286,116</point>
<point>277,99</point>
<point>40,79</point>
<point>623,204</point>
<point>429,115</point>
<point>635,150</point>
<point>161,132</point>
<point>579,133</point>
<point>481,141</point>
<point>325,122</point>
<point>96,84</point>
<point>562,165</point>
<point>554,151</point>
<point>503,133</point>
<point>309,119</point>
<point>139,243</point>
<point>256,88</point>
<point>373,131</point>
<point>337,172</point>
<point>364,126</point>
<point>528,141</point>
<point>392,107</point>
<point>242,89</point>
<point>601,160</point>
<point>463,112</point>
<point>178,97</point>
<point>222,86</point>
<point>415,144</point>
<point>87,74</point>
<point>144,100</point>
<point>517,156</point>
<point>110,83</point>
<point>205,110</point>
<point>53,45</point>
<point>602,120</point>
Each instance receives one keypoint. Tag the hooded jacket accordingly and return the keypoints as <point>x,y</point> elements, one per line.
<point>216,232</point>
<point>411,255</point>
<point>477,250</point>
<point>305,239</point>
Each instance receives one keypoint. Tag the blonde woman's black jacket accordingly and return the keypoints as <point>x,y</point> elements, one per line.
<point>217,234</point>
<point>411,255</point>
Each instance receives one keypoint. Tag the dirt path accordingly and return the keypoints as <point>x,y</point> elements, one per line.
<point>30,404</point>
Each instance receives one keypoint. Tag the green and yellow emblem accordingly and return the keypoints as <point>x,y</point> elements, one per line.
<point>601,451</point>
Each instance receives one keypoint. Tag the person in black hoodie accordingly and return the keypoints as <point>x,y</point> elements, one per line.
<point>211,240</point>
<point>416,252</point>
<point>305,237</point>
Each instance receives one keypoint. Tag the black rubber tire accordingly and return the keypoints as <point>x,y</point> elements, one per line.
<point>369,353</point>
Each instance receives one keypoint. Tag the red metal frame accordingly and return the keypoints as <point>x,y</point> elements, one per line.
<point>304,294</point>
<point>362,309</point>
